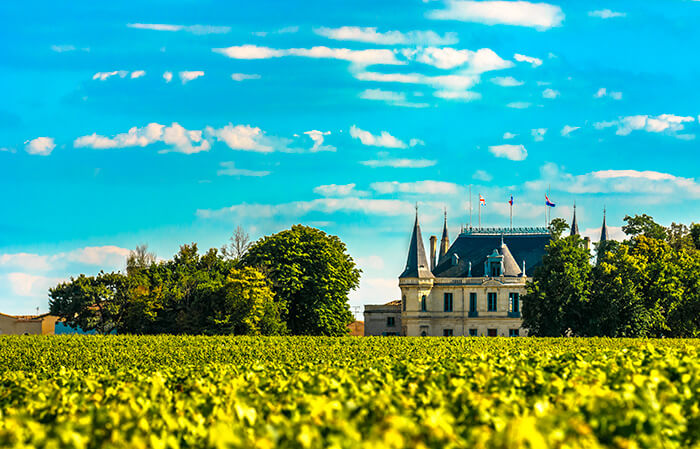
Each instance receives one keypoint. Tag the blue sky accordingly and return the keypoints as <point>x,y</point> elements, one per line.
<point>169,122</point>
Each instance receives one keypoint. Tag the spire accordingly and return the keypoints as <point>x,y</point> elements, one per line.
<point>417,263</point>
<point>604,237</point>
<point>574,225</point>
<point>445,241</point>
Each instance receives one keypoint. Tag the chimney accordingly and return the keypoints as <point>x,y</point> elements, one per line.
<point>587,243</point>
<point>433,244</point>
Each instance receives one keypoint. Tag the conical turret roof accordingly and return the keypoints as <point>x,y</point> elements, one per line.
<point>604,236</point>
<point>574,225</point>
<point>417,262</point>
<point>510,266</point>
<point>444,241</point>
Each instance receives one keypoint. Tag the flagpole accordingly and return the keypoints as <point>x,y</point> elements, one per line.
<point>511,213</point>
<point>470,206</point>
<point>479,210</point>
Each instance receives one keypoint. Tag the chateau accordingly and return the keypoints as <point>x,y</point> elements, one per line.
<point>470,288</point>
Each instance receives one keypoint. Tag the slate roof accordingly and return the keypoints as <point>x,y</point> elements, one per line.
<point>476,247</point>
<point>416,263</point>
<point>444,242</point>
<point>604,236</point>
<point>574,225</point>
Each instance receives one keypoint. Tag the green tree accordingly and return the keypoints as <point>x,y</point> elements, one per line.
<point>311,276</point>
<point>557,227</point>
<point>644,225</point>
<point>557,298</point>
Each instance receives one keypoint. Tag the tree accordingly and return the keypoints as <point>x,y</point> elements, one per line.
<point>644,225</point>
<point>311,276</point>
<point>695,234</point>
<point>557,298</point>
<point>139,259</point>
<point>238,244</point>
<point>557,227</point>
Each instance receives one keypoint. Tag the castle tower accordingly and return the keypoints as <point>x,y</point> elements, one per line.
<point>574,225</point>
<point>445,241</point>
<point>417,263</point>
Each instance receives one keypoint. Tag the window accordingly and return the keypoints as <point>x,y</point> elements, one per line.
<point>472,333</point>
<point>495,269</point>
<point>448,302</point>
<point>390,321</point>
<point>423,305</point>
<point>472,302</point>
<point>492,302</point>
<point>403,302</point>
<point>447,332</point>
<point>423,333</point>
<point>514,302</point>
<point>513,332</point>
<point>492,332</point>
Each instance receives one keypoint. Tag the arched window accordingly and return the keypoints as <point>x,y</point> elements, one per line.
<point>423,305</point>
<point>403,302</point>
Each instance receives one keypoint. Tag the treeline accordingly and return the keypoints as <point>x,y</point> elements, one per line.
<point>293,282</point>
<point>645,286</point>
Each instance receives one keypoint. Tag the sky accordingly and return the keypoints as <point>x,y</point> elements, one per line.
<point>171,122</point>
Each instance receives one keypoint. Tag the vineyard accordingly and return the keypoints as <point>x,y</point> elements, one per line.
<point>315,392</point>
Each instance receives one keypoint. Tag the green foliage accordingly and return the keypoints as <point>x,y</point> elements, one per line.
<point>557,299</point>
<point>557,227</point>
<point>317,392</point>
<point>311,276</point>
<point>644,225</point>
<point>647,286</point>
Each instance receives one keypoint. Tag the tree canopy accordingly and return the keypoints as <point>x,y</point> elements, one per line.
<point>645,286</point>
<point>311,276</point>
<point>295,281</point>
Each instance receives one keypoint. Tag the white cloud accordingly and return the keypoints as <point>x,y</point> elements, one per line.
<point>457,95</point>
<point>41,146</point>
<point>26,261</point>
<point>367,206</point>
<point>194,29</point>
<point>399,163</point>
<point>167,76</point>
<point>317,138</point>
<point>283,30</point>
<point>603,92</point>
<point>244,76</point>
<point>614,232</point>
<point>180,139</point>
<point>371,35</point>
<point>450,82</point>
<point>189,75</point>
<point>63,48</point>
<point>372,262</point>
<point>334,190</point>
<point>415,142</point>
<point>508,135</point>
<point>566,130</point>
<point>357,57</point>
<point>420,187</point>
<point>24,284</point>
<point>550,94</point>
<point>384,139</point>
<point>506,81</point>
<point>541,16</point>
<point>538,134</point>
<point>665,123</point>
<point>102,76</point>
<point>606,14</point>
<point>519,105</point>
<point>138,74</point>
<point>535,62</point>
<point>243,137</point>
<point>229,169</point>
<point>390,97</point>
<point>648,183</point>
<point>480,61</point>
<point>508,151</point>
<point>482,175</point>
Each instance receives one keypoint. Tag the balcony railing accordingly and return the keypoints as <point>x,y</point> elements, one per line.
<point>513,314</point>
<point>473,314</point>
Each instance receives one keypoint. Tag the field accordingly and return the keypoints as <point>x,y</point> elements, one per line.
<point>170,392</point>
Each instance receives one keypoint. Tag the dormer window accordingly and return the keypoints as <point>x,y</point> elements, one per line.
<point>494,264</point>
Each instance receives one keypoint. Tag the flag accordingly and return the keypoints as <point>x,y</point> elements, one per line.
<point>547,202</point>
<point>511,200</point>
<point>482,201</point>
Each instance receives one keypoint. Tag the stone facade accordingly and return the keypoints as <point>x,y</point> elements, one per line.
<point>27,324</point>
<point>384,320</point>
